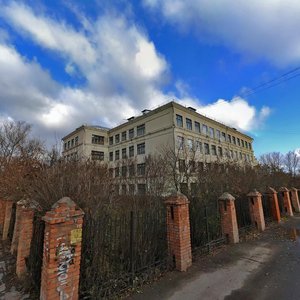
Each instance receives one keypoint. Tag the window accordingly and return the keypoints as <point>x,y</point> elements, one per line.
<point>250,146</point>
<point>238,142</point>
<point>111,156</point>
<point>189,124</point>
<point>184,188</point>
<point>131,151</point>
<point>72,143</point>
<point>124,171</point>
<point>180,142</point>
<point>201,166</point>
<point>242,143</point>
<point>223,137</point>
<point>246,144</point>
<point>141,170</point>
<point>124,189</point>
<point>199,146</point>
<point>179,121</point>
<point>241,156</point>
<point>235,155</point>
<point>211,132</point>
<point>69,143</point>
<point>181,165</point>
<point>213,150</point>
<point>231,154</point>
<point>140,130</point>
<point>97,139</point>
<point>204,129</point>
<point>76,140</point>
<point>111,172</point>
<point>111,140</point>
<point>218,134</point>
<point>229,138</point>
<point>97,155</point>
<point>131,133</point>
<point>124,153</point>
<point>124,136</point>
<point>206,148</point>
<point>131,170</point>
<point>117,155</point>
<point>233,140</point>
<point>141,148</point>
<point>117,189</point>
<point>65,146</point>
<point>197,127</point>
<point>190,144</point>
<point>117,172</point>
<point>131,189</point>
<point>117,138</point>
<point>220,151</point>
<point>141,189</point>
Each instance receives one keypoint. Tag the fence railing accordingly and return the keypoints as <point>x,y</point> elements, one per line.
<point>243,213</point>
<point>121,250</point>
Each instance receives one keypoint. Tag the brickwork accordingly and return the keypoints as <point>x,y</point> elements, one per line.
<point>7,217</point>
<point>2,214</point>
<point>286,201</point>
<point>273,198</point>
<point>178,231</point>
<point>295,199</point>
<point>62,251</point>
<point>25,237</point>
<point>228,218</point>
<point>256,210</point>
<point>15,239</point>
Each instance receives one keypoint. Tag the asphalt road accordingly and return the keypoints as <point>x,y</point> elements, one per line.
<point>265,266</point>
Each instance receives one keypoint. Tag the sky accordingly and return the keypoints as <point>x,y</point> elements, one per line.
<point>66,63</point>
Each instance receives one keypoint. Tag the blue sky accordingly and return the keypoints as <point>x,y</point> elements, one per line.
<point>65,63</point>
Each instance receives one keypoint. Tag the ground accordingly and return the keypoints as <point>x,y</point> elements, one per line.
<point>262,266</point>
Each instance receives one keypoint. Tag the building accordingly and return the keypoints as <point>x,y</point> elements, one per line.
<point>171,126</point>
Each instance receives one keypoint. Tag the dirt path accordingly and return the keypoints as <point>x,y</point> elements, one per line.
<point>264,267</point>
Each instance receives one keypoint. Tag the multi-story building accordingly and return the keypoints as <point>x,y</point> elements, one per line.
<point>169,127</point>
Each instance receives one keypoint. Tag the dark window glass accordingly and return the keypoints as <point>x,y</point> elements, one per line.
<point>141,148</point>
<point>140,130</point>
<point>189,124</point>
<point>97,155</point>
<point>179,121</point>
<point>97,139</point>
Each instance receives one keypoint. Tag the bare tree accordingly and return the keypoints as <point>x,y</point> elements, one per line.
<point>292,163</point>
<point>273,160</point>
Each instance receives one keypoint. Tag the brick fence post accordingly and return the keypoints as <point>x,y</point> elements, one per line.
<point>25,236</point>
<point>295,199</point>
<point>273,198</point>
<point>256,210</point>
<point>2,214</point>
<point>228,218</point>
<point>7,217</point>
<point>15,239</point>
<point>178,231</point>
<point>62,251</point>
<point>286,201</point>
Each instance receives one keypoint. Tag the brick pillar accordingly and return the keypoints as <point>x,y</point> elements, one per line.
<point>286,201</point>
<point>15,239</point>
<point>295,199</point>
<point>62,251</point>
<point>25,237</point>
<point>256,210</point>
<point>273,198</point>
<point>228,218</point>
<point>2,214</point>
<point>7,217</point>
<point>178,231</point>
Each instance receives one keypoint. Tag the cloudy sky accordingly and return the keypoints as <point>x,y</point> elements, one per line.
<point>64,63</point>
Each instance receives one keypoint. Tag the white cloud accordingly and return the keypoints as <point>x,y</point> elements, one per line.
<point>122,69</point>
<point>266,29</point>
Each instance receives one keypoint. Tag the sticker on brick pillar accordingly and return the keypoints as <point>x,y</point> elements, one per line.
<point>76,236</point>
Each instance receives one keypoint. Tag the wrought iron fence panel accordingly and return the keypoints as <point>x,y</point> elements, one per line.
<point>267,209</point>
<point>243,213</point>
<point>281,202</point>
<point>120,250</point>
<point>12,222</point>
<point>205,225</point>
<point>35,259</point>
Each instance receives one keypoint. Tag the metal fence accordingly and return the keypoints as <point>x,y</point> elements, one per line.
<point>267,209</point>
<point>280,196</point>
<point>121,250</point>
<point>205,223</point>
<point>243,213</point>
<point>12,222</point>
<point>35,259</point>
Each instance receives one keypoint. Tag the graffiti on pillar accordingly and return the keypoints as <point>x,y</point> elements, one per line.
<point>65,258</point>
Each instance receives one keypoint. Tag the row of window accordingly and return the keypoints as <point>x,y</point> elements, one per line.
<point>140,149</point>
<point>140,131</point>
<point>125,171</point>
<point>71,143</point>
<point>211,132</point>
<point>131,189</point>
<point>205,148</point>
